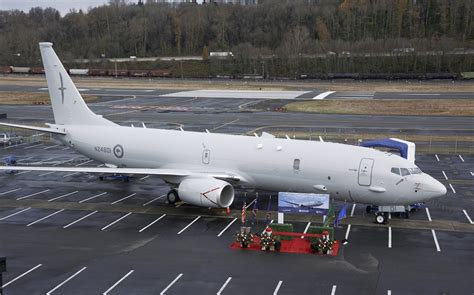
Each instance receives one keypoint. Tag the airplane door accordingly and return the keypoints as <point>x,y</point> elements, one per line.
<point>206,156</point>
<point>365,171</point>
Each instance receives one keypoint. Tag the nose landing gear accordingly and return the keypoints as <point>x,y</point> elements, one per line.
<point>172,196</point>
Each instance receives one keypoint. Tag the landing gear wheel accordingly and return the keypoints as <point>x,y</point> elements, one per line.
<point>381,218</point>
<point>172,196</point>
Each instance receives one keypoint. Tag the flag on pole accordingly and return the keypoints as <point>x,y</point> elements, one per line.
<point>342,214</point>
<point>254,210</point>
<point>269,215</point>
<point>244,211</point>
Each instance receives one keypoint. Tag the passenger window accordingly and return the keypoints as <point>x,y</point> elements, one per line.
<point>396,171</point>
<point>296,164</point>
<point>404,171</point>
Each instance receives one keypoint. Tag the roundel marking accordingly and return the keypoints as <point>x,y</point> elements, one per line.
<point>118,151</point>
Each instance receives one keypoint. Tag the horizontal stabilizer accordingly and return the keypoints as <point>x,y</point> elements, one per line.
<point>42,129</point>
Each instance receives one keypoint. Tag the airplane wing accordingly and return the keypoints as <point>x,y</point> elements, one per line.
<point>42,129</point>
<point>146,171</point>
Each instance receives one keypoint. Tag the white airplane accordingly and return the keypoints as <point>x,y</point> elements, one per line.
<point>203,168</point>
<point>305,205</point>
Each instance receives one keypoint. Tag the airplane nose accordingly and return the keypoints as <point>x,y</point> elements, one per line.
<point>434,188</point>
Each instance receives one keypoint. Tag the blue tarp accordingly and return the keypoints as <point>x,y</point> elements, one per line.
<point>388,143</point>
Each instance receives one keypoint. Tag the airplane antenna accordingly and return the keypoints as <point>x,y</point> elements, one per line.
<point>207,131</point>
<point>143,124</point>
<point>132,125</point>
<point>321,139</point>
<point>181,128</point>
<point>287,137</point>
<point>256,135</point>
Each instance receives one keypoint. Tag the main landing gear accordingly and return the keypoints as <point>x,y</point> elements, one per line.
<point>381,218</point>
<point>172,196</point>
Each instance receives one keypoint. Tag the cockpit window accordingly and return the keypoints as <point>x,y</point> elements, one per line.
<point>404,171</point>
<point>415,170</point>
<point>396,171</point>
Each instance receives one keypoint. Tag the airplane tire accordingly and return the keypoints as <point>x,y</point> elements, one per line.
<point>172,196</point>
<point>380,218</point>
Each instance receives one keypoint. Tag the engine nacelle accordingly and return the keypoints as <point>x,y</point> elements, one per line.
<point>206,192</point>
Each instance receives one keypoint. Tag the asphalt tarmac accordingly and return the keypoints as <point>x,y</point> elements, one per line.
<point>65,233</point>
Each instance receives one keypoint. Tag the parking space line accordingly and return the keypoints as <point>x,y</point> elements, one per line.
<point>13,214</point>
<point>114,222</point>
<point>444,174</point>
<point>48,216</point>
<point>33,146</point>
<point>347,231</point>
<point>271,221</point>
<point>277,288</point>
<point>353,209</point>
<point>144,177</point>
<point>129,196</point>
<point>223,286</point>
<point>428,213</point>
<point>47,173</point>
<point>65,281</point>
<point>149,202</point>
<point>436,240</point>
<point>390,237</point>
<point>66,148</point>
<point>333,290</point>
<point>65,195</point>
<point>467,216</point>
<point>437,157</point>
<point>389,292</point>
<point>452,188</point>
<point>50,147</point>
<point>195,219</point>
<point>460,157</point>
<point>25,159</point>
<point>171,284</point>
<point>16,145</point>
<point>250,204</point>
<point>82,218</point>
<point>35,194</point>
<point>306,229</point>
<point>83,163</point>
<point>70,174</point>
<point>472,173</point>
<point>151,223</point>
<point>225,228</point>
<point>118,282</point>
<point>93,197</point>
<point>22,275</point>
<point>10,191</point>
<point>23,172</point>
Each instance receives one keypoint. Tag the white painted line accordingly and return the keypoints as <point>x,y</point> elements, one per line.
<point>225,124</point>
<point>118,282</point>
<point>306,229</point>
<point>47,173</point>
<point>467,216</point>
<point>35,194</point>
<point>347,232</point>
<point>48,216</point>
<point>353,209</point>
<point>389,292</point>
<point>225,228</point>
<point>110,224</point>
<point>33,146</point>
<point>70,174</point>
<point>13,214</point>
<point>66,148</point>
<point>57,198</point>
<point>253,201</point>
<point>157,198</point>
<point>50,147</point>
<point>195,219</point>
<point>437,158</point>
<point>333,290</point>
<point>428,214</point>
<point>277,288</point>
<point>271,221</point>
<point>16,145</point>
<point>10,191</point>
<point>82,218</point>
<point>22,275</point>
<point>390,237</point>
<point>460,157</point>
<point>83,163</point>
<point>436,240</point>
<point>153,222</point>
<point>65,281</point>
<point>323,95</point>
<point>223,286</point>
<point>389,215</point>
<point>127,197</point>
<point>171,284</point>
<point>444,174</point>
<point>93,197</point>
<point>144,177</point>
<point>472,173</point>
<point>452,188</point>
<point>23,172</point>
<point>25,159</point>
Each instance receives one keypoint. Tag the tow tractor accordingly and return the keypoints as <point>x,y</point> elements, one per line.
<point>381,212</point>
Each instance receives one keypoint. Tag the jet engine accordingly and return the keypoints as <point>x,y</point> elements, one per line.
<point>206,192</point>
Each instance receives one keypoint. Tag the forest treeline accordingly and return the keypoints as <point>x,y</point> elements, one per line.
<point>274,38</point>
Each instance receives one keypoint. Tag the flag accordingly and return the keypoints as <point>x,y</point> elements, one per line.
<point>254,210</point>
<point>269,215</point>
<point>244,211</point>
<point>342,214</point>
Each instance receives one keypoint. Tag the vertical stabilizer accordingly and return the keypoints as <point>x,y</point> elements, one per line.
<point>68,106</point>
